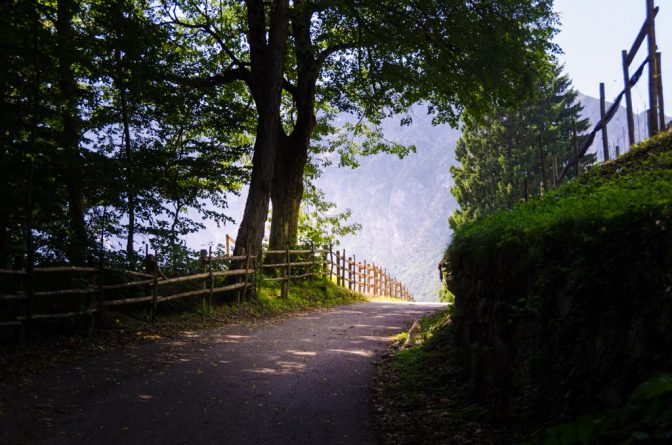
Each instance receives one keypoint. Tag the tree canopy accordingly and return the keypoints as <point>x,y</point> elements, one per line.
<point>128,120</point>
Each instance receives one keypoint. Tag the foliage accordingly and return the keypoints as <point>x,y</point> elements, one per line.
<point>445,295</point>
<point>126,151</point>
<point>502,161</point>
<point>574,286</point>
<point>645,418</point>
<point>639,187</point>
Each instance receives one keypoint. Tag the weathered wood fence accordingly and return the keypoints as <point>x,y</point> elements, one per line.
<point>90,291</point>
<point>368,279</point>
<point>656,111</point>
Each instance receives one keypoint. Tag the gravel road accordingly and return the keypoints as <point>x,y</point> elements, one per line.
<point>303,379</point>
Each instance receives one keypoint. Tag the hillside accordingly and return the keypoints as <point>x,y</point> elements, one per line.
<point>404,204</point>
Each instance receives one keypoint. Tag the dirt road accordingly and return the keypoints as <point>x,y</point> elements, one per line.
<point>298,380</point>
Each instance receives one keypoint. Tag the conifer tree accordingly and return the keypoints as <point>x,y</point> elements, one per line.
<point>513,153</point>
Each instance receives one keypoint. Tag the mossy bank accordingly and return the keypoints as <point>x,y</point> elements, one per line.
<point>563,309</point>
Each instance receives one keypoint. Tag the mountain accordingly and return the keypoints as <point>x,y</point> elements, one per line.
<point>404,204</point>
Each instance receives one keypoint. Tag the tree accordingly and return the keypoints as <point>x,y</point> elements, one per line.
<point>247,43</point>
<point>357,58</point>
<point>98,137</point>
<point>513,153</point>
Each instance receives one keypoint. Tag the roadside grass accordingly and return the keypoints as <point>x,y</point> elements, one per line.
<point>417,395</point>
<point>54,345</point>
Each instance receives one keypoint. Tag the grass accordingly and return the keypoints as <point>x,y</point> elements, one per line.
<point>417,395</point>
<point>56,344</point>
<point>637,185</point>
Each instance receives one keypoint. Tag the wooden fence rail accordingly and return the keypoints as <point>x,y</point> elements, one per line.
<point>656,112</point>
<point>96,292</point>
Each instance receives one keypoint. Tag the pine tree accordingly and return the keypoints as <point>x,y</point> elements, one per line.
<point>511,154</point>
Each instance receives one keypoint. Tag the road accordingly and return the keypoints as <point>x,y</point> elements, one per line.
<point>303,379</point>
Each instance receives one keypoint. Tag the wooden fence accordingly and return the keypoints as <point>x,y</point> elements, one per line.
<point>656,111</point>
<point>100,288</point>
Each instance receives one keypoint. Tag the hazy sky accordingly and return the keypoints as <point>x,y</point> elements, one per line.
<point>593,33</point>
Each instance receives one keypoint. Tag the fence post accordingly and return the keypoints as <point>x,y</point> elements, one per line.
<point>343,270</point>
<point>338,267</point>
<point>359,277</point>
<point>312,254</point>
<point>659,86</point>
<point>258,271</point>
<point>653,68</point>
<point>155,296</point>
<point>365,279</point>
<point>93,289</point>
<point>30,290</point>
<point>211,277</point>
<point>247,268</point>
<point>323,261</point>
<point>288,271</point>
<point>21,281</point>
<point>204,265</point>
<point>331,262</point>
<point>628,99</point>
<point>152,268</point>
<point>375,280</point>
<point>101,295</point>
<point>605,135</point>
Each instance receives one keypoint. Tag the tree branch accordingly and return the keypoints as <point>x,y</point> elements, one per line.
<point>208,29</point>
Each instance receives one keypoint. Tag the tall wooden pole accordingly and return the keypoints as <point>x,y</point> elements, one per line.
<point>661,103</point>
<point>338,268</point>
<point>653,70</point>
<point>628,100</point>
<point>605,136</point>
<point>575,145</point>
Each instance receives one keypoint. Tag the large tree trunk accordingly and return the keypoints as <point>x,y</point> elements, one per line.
<point>287,191</point>
<point>266,76</point>
<point>70,136</point>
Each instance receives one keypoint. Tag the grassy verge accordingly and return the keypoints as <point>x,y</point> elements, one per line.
<point>124,328</point>
<point>418,396</point>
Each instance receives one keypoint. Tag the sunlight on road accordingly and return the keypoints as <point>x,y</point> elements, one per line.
<point>361,352</point>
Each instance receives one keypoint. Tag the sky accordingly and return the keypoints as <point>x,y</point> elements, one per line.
<point>593,33</point>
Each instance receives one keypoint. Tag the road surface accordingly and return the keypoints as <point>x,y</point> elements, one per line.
<point>303,379</point>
